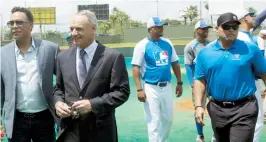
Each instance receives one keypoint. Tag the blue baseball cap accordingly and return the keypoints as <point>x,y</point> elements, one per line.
<point>155,21</point>
<point>201,24</point>
<point>68,36</point>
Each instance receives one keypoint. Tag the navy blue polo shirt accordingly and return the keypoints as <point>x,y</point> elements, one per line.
<point>228,72</point>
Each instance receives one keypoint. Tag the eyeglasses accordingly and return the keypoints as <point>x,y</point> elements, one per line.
<point>228,27</point>
<point>18,23</point>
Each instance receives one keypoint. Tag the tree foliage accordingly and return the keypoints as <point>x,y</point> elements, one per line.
<point>191,12</point>
<point>251,9</point>
<point>52,35</point>
<point>7,34</point>
<point>117,21</point>
<point>172,22</point>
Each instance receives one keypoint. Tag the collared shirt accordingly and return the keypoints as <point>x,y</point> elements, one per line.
<point>192,49</point>
<point>229,73</point>
<point>90,51</point>
<point>29,95</point>
<point>190,53</point>
<point>155,59</point>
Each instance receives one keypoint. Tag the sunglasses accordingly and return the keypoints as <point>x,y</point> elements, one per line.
<point>228,27</point>
<point>204,29</point>
<point>18,23</point>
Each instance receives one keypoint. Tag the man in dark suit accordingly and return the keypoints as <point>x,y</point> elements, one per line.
<point>27,68</point>
<point>92,81</point>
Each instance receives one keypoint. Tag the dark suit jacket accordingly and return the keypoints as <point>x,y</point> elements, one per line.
<point>106,87</point>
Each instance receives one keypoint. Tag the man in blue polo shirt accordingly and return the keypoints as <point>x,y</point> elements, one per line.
<point>152,60</point>
<point>226,68</point>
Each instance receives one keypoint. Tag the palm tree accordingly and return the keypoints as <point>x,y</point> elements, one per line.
<point>120,17</point>
<point>112,19</point>
<point>206,4</point>
<point>104,27</point>
<point>191,12</point>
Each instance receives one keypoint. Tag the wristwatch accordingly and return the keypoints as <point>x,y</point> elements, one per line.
<point>180,83</point>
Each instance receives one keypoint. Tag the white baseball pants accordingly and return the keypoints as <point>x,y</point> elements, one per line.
<point>158,110</point>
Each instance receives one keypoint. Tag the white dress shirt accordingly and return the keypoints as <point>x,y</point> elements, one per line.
<point>29,95</point>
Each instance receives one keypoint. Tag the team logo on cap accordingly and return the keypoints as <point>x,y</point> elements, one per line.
<point>234,17</point>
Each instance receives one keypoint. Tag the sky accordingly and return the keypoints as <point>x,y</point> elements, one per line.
<point>140,10</point>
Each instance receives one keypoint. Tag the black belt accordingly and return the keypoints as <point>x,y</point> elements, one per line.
<point>234,103</point>
<point>160,84</point>
<point>34,115</point>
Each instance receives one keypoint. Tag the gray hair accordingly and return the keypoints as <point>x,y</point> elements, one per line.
<point>90,15</point>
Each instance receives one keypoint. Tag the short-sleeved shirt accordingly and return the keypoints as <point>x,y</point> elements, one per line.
<point>154,59</point>
<point>260,42</point>
<point>192,49</point>
<point>228,72</point>
<point>245,36</point>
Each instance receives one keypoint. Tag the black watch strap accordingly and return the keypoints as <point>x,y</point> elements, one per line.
<point>180,83</point>
<point>139,90</point>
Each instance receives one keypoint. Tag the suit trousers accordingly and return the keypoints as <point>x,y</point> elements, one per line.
<point>38,127</point>
<point>158,111</point>
<point>234,122</point>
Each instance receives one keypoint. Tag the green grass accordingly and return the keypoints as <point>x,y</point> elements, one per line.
<point>122,45</point>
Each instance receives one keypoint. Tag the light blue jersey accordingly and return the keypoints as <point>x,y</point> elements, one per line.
<point>190,53</point>
<point>155,59</point>
<point>246,36</point>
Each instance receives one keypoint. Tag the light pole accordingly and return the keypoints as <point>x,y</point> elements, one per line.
<point>157,8</point>
<point>2,28</point>
<point>200,11</point>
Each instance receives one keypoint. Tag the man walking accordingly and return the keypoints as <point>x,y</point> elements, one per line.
<point>248,21</point>
<point>152,61</point>
<point>190,53</point>
<point>226,68</point>
<point>27,68</point>
<point>92,81</point>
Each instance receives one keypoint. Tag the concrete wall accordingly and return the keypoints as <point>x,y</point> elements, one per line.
<point>128,51</point>
<point>179,32</point>
<point>109,39</point>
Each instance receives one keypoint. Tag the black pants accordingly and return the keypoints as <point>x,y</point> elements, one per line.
<point>234,123</point>
<point>38,127</point>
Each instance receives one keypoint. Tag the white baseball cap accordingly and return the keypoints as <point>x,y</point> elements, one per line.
<point>244,12</point>
<point>201,24</point>
<point>155,21</point>
<point>263,32</point>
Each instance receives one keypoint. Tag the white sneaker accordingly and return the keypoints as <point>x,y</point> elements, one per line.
<point>213,138</point>
<point>200,138</point>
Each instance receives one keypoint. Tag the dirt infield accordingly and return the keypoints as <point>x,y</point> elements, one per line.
<point>184,105</point>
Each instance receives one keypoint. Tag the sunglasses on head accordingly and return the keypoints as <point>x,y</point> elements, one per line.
<point>228,27</point>
<point>18,23</point>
